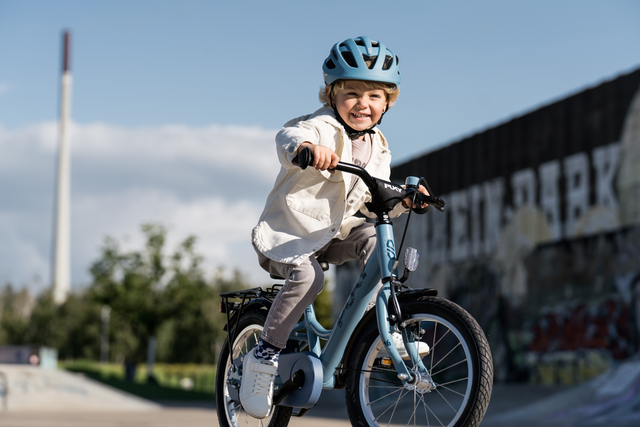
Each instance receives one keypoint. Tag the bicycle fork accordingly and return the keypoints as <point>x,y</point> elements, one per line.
<point>419,377</point>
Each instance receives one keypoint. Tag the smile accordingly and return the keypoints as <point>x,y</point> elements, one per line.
<point>360,116</point>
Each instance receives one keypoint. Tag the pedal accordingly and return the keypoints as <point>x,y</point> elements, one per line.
<point>383,362</point>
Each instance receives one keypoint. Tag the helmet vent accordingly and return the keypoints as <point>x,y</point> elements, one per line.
<point>349,59</point>
<point>359,42</point>
<point>388,62</point>
<point>330,64</point>
<point>369,60</point>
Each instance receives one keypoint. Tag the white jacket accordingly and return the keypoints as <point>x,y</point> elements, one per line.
<point>307,208</point>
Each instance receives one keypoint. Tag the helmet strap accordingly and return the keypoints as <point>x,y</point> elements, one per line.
<point>351,131</point>
<point>383,113</point>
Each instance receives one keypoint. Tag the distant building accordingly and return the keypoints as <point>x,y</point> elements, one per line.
<point>540,239</point>
<point>34,355</point>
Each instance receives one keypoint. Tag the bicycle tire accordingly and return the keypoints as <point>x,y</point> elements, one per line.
<point>230,412</point>
<point>375,396</point>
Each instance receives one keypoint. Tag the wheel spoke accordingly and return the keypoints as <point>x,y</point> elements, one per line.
<point>433,345</point>
<point>426,414</point>
<point>445,334</point>
<point>415,407</point>
<point>445,399</point>
<point>448,367</point>
<point>454,381</point>
<point>380,371</point>
<point>433,413</point>
<point>385,396</point>
<point>453,391</point>
<point>394,406</point>
<point>445,356</point>
<point>383,381</point>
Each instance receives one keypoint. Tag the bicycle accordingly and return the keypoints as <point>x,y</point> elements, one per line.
<point>450,386</point>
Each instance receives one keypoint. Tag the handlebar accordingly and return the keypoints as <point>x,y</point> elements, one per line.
<point>305,159</point>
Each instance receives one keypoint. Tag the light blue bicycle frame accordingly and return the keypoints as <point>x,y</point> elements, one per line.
<point>380,265</point>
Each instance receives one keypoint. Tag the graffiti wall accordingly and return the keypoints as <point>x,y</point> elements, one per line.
<point>540,239</point>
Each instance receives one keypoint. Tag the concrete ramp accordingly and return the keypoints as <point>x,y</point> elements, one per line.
<point>611,399</point>
<point>34,389</point>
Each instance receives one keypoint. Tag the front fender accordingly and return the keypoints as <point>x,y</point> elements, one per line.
<point>414,294</point>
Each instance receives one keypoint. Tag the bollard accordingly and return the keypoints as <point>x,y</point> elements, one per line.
<point>4,389</point>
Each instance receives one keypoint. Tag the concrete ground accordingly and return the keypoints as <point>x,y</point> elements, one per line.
<point>41,398</point>
<point>61,399</point>
<point>330,412</point>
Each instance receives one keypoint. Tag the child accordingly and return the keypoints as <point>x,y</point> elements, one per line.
<point>315,214</point>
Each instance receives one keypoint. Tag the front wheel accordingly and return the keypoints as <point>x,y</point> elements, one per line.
<point>459,363</point>
<point>230,411</point>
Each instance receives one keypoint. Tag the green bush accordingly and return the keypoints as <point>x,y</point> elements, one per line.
<point>202,377</point>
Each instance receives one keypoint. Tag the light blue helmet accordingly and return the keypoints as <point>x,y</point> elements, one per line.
<point>360,59</point>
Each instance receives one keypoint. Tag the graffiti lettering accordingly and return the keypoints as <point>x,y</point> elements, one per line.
<point>477,214</point>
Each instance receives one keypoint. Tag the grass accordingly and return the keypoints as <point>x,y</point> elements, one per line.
<point>168,376</point>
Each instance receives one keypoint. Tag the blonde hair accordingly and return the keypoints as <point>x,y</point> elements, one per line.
<point>392,92</point>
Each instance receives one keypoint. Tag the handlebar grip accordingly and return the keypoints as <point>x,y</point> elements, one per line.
<point>305,158</point>
<point>432,201</point>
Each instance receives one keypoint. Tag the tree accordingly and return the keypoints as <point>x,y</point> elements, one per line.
<point>152,294</point>
<point>72,327</point>
<point>132,285</point>
<point>15,310</point>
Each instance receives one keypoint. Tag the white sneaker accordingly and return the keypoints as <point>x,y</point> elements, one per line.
<point>423,347</point>
<point>256,388</point>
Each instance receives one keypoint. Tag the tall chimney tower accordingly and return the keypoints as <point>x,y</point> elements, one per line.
<point>62,251</point>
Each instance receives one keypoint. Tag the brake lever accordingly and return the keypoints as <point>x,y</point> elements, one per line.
<point>438,204</point>
<point>434,201</point>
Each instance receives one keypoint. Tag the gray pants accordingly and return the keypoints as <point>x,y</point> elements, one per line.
<point>305,281</point>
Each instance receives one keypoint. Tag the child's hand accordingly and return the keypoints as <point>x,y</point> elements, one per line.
<point>406,202</point>
<point>323,157</point>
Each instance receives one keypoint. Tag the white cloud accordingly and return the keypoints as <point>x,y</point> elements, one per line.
<point>22,262</point>
<point>209,181</point>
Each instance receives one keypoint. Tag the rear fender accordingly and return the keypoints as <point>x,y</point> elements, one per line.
<point>253,305</point>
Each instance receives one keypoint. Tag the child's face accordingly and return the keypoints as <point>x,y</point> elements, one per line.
<point>360,107</point>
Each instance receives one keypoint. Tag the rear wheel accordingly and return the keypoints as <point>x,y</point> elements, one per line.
<point>230,411</point>
<point>459,364</point>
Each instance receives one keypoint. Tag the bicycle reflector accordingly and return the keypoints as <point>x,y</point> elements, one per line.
<point>411,259</point>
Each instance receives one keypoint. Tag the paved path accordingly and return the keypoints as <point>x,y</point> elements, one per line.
<point>61,399</point>
<point>40,398</point>
<point>36,389</point>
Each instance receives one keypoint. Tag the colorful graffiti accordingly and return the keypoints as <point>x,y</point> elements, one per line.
<point>606,325</point>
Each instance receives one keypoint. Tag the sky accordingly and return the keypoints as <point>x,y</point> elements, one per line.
<point>175,104</point>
